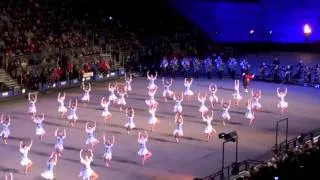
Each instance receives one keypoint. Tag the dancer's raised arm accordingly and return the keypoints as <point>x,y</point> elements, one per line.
<point>285,91</point>
<point>80,155</point>
<point>30,145</point>
<point>1,118</point>
<point>56,132</point>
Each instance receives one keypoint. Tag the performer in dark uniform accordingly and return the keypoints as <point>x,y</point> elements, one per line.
<point>208,67</point>
<point>219,66</point>
<point>185,63</point>
<point>164,67</point>
<point>232,67</point>
<point>174,67</point>
<point>196,67</point>
<point>247,77</point>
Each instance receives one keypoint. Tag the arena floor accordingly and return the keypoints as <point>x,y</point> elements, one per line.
<point>193,157</point>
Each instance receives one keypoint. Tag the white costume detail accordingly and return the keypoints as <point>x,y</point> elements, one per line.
<point>203,107</point>
<point>32,106</point>
<point>143,146</point>
<point>177,107</point>
<point>39,126</point>
<point>90,138</point>
<point>59,143</point>
<point>130,124</point>
<point>178,130</point>
<point>282,103</point>
<point>105,112</point>
<point>24,158</point>
<point>73,114</point>
<point>188,91</point>
<point>5,131</point>
<point>153,119</point>
<point>256,104</point>
<point>122,100</point>
<point>112,96</point>
<point>107,152</point>
<point>48,173</point>
<point>86,96</point>
<point>62,108</point>
<point>249,114</point>
<point>166,90</point>
<point>225,113</point>
<point>87,172</point>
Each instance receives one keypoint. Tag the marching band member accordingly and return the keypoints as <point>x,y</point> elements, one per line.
<point>213,98</point>
<point>91,140</point>
<point>178,99</point>
<point>225,114</point>
<point>256,98</point>
<point>32,98</point>
<point>249,114</point>
<point>87,173</point>
<point>62,109</point>
<point>72,117</point>
<point>5,131</point>
<point>25,161</point>
<point>40,132</point>
<point>105,113</point>
<point>112,96</point>
<point>130,116</point>
<point>202,99</point>
<point>187,83</point>
<point>60,136</point>
<point>107,156</point>
<point>167,92</point>
<point>152,80</point>
<point>208,67</point>
<point>86,96</point>
<point>174,66</point>
<point>282,103</point>
<point>185,63</point>
<point>236,96</point>
<point>143,151</point>
<point>219,66</point>
<point>52,161</point>
<point>196,67</point>
<point>178,131</point>
<point>164,66</point>
<point>209,130</point>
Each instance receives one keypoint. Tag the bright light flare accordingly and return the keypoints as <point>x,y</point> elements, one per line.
<point>307,29</point>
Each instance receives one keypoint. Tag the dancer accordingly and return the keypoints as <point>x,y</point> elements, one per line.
<point>105,113</point>
<point>151,79</point>
<point>87,173</point>
<point>153,120</point>
<point>249,114</point>
<point>86,97</point>
<point>225,114</point>
<point>151,101</point>
<point>178,99</point>
<point>143,151</point>
<point>112,96</point>
<point>52,161</point>
<point>130,116</point>
<point>8,177</point>
<point>5,131</point>
<point>107,156</point>
<point>91,140</point>
<point>178,131</point>
<point>187,83</point>
<point>121,100</point>
<point>38,120</point>
<point>213,98</point>
<point>202,99</point>
<point>73,106</point>
<point>283,105</point>
<point>209,130</point>
<point>128,81</point>
<point>62,109</point>
<point>256,98</point>
<point>32,98</point>
<point>236,96</point>
<point>25,161</point>
<point>247,77</point>
<point>60,136</point>
<point>167,92</point>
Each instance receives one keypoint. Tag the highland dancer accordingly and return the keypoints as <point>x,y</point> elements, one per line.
<point>213,98</point>
<point>62,109</point>
<point>128,81</point>
<point>153,120</point>
<point>247,77</point>
<point>60,136</point>
<point>151,101</point>
<point>167,92</point>
<point>188,92</point>
<point>5,131</point>
<point>130,117</point>
<point>178,131</point>
<point>121,100</point>
<point>87,173</point>
<point>256,100</point>
<point>209,130</point>
<point>112,96</point>
<point>72,117</point>
<point>236,96</point>
<point>91,140</point>
<point>225,114</point>
<point>151,79</point>
<point>249,114</point>
<point>143,151</point>
<point>283,105</point>
<point>51,163</point>
<point>105,113</point>
<point>202,99</point>
<point>38,120</point>
<point>32,98</point>
<point>178,99</point>
<point>107,156</point>
<point>87,89</point>
<point>25,161</point>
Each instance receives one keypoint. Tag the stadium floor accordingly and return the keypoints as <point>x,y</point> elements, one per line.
<point>193,157</point>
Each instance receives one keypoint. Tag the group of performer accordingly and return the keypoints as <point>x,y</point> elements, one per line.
<point>117,94</point>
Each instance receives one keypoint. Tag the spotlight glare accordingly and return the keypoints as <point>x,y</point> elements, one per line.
<point>307,29</point>
<point>251,31</point>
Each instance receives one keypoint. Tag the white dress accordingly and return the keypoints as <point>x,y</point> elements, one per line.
<point>225,113</point>
<point>167,91</point>
<point>112,96</point>
<point>237,95</point>
<point>62,108</point>
<point>122,100</point>
<point>153,119</point>
<point>203,107</point>
<point>178,130</point>
<point>188,91</point>
<point>105,112</point>
<point>90,138</point>
<point>151,101</point>
<point>32,107</point>
<point>128,86</point>
<point>282,103</point>
<point>73,114</point>
<point>152,85</point>
<point>86,96</point>
<point>256,104</point>
<point>130,124</point>
<point>24,158</point>
<point>48,173</point>
<point>249,114</point>
<point>213,97</point>
<point>59,143</point>
<point>143,146</point>
<point>87,172</point>
<point>39,127</point>
<point>5,131</point>
<point>107,152</point>
<point>209,128</point>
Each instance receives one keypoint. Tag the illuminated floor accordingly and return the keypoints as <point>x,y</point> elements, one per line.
<point>192,157</point>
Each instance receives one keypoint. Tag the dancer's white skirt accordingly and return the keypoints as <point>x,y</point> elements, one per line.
<point>226,115</point>
<point>58,147</point>
<point>107,156</point>
<point>178,132</point>
<point>73,117</point>
<point>249,116</point>
<point>256,105</point>
<point>48,175</point>
<point>167,93</point>
<point>143,151</point>
<point>91,140</point>
<point>213,99</point>
<point>130,125</point>
<point>40,131</point>
<point>122,101</point>
<point>86,97</point>
<point>25,161</point>
<point>113,97</point>
<point>86,173</point>
<point>128,88</point>
<point>5,133</point>
<point>282,104</point>
<point>152,86</point>
<point>105,114</point>
<point>237,96</point>
<point>208,130</point>
<point>62,109</point>
<point>203,109</point>
<point>32,109</point>
<point>153,120</point>
<point>188,93</point>
<point>177,108</point>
